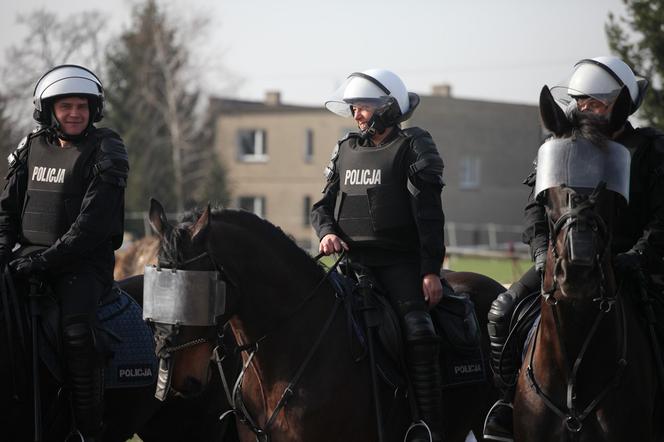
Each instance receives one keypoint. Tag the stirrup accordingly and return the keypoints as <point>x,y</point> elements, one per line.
<point>416,425</point>
<point>500,402</point>
<point>74,435</point>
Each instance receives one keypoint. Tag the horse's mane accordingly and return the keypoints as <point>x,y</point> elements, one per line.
<point>592,127</point>
<point>272,235</point>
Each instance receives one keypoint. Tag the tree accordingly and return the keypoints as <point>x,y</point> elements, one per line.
<point>8,140</point>
<point>638,39</point>
<point>155,105</point>
<point>51,40</point>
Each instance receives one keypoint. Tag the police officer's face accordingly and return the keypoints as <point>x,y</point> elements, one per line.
<point>73,114</point>
<point>362,113</point>
<point>594,106</point>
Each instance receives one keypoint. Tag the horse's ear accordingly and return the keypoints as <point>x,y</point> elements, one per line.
<point>157,217</point>
<point>200,228</point>
<point>553,117</point>
<point>620,111</point>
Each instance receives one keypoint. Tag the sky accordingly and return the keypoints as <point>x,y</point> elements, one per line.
<point>495,50</point>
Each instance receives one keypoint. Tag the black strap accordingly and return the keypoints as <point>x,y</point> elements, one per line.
<point>380,85</point>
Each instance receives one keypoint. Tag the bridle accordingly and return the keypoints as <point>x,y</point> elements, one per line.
<point>168,335</point>
<point>581,213</point>
<point>235,398</point>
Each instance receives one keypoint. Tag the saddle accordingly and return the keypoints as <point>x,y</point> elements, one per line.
<point>122,336</point>
<point>461,360</point>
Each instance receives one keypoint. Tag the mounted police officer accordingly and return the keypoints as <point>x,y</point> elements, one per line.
<point>63,204</point>
<point>382,205</point>
<point>638,237</point>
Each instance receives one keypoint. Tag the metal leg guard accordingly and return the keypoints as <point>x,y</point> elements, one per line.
<point>424,370</point>
<point>86,379</point>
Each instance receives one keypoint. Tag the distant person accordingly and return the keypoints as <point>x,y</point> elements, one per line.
<point>638,238</point>
<point>63,204</point>
<point>382,205</point>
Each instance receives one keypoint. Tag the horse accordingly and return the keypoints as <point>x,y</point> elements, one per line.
<point>588,372</point>
<point>131,260</point>
<point>300,380</point>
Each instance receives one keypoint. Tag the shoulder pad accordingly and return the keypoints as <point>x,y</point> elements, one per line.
<point>414,132</point>
<point>112,163</point>
<point>20,150</point>
<point>427,158</point>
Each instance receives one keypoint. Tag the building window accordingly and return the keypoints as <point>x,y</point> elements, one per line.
<point>252,145</point>
<point>306,211</point>
<point>254,204</point>
<point>469,173</point>
<point>309,146</point>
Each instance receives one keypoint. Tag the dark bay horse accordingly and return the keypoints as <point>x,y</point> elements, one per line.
<point>589,372</point>
<point>301,382</point>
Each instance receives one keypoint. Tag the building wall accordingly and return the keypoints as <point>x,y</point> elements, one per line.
<point>286,178</point>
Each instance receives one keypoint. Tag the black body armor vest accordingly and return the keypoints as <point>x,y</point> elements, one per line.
<point>57,179</point>
<point>373,203</point>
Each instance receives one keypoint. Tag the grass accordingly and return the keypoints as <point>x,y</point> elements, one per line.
<point>504,271</point>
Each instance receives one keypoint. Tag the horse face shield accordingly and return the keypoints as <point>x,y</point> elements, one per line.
<point>175,298</point>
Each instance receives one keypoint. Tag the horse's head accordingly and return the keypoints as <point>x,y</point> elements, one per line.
<point>583,181</point>
<point>183,297</point>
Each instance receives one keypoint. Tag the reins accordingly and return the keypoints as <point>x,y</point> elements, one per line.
<point>569,413</point>
<point>235,398</point>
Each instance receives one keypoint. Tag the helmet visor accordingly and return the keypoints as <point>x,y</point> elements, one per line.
<point>356,92</point>
<point>573,88</point>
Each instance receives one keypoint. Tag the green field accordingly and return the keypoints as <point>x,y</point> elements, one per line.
<point>504,271</point>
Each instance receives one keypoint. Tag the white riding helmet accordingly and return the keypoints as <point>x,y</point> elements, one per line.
<point>65,80</point>
<point>376,86</point>
<point>603,78</point>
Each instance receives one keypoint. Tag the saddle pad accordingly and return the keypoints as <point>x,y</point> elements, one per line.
<point>461,359</point>
<point>129,339</point>
<point>529,337</point>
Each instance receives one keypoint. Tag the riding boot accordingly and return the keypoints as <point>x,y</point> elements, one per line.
<point>86,378</point>
<point>424,368</point>
<point>504,363</point>
<point>423,350</point>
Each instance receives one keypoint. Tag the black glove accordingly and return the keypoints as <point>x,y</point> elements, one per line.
<point>28,265</point>
<point>628,262</point>
<point>540,260</point>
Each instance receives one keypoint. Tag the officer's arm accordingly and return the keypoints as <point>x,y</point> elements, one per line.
<point>11,204</point>
<point>651,243</point>
<point>425,184</point>
<point>322,212</point>
<point>536,231</point>
<point>101,207</point>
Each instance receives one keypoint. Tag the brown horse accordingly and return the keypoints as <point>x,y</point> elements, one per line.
<point>589,372</point>
<point>301,380</point>
<point>131,260</point>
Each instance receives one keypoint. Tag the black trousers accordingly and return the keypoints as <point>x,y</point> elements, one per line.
<point>403,285</point>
